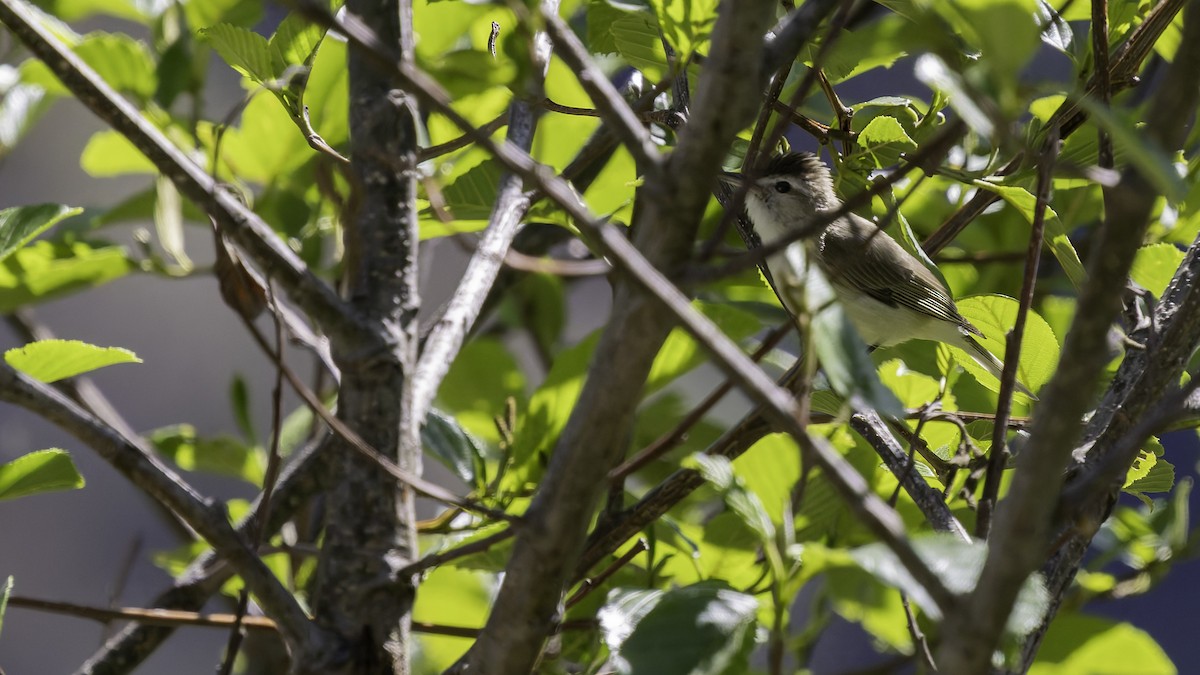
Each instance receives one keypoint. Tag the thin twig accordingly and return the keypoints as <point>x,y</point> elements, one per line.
<point>590,584</point>
<point>435,559</point>
<point>130,457</point>
<point>675,436</point>
<point>998,459</point>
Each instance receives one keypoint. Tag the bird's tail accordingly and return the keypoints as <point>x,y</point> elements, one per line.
<point>994,365</point>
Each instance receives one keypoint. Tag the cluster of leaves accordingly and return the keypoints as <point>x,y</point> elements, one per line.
<point>713,578</point>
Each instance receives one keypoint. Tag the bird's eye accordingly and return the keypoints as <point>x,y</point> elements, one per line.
<point>783,187</point>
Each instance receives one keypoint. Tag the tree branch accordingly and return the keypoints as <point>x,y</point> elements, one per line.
<point>253,235</point>
<point>1022,533</point>
<point>620,116</point>
<point>130,457</point>
<point>306,475</point>
<point>510,207</point>
<point>596,434</point>
<point>717,126</point>
<point>370,525</point>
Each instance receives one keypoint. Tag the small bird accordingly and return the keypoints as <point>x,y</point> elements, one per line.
<point>888,294</point>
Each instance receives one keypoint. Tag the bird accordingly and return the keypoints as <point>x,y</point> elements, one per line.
<point>888,294</point>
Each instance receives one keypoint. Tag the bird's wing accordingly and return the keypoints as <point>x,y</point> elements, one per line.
<point>859,255</point>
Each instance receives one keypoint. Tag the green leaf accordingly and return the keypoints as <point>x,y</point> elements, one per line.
<point>20,224</point>
<point>1155,265</point>
<point>884,130</point>
<point>681,353</point>
<point>456,449</point>
<point>770,469</point>
<point>995,316</point>
<point>208,12</point>
<point>1006,32</point>
<point>686,24</point>
<point>222,455</point>
<point>473,194</point>
<point>1055,232</point>
<point>718,471</point>
<point>42,471</point>
<point>72,10</point>
<point>912,388</point>
<point>1077,643</point>
<point>858,597</point>
<point>549,409</point>
<point>704,629</point>
<point>44,270</point>
<point>244,50</point>
<point>638,41</point>
<point>1150,472</point>
<point>878,44</point>
<point>108,154</point>
<point>54,360</point>
<point>474,391</point>
<point>124,62</point>
<point>958,563</point>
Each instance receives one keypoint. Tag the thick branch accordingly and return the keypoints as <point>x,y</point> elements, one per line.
<point>370,527</point>
<point>305,475</point>
<point>1022,531</point>
<point>596,435</point>
<point>717,125</point>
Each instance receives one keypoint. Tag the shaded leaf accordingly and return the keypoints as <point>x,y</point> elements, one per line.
<point>45,270</point>
<point>704,629</point>
<point>20,224</point>
<point>456,449</point>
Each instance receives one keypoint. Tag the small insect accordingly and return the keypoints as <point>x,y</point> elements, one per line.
<point>492,38</point>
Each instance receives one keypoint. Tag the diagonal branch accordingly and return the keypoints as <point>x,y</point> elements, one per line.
<point>1023,528</point>
<point>253,235</point>
<point>129,457</point>
<point>880,518</point>
<point>622,118</point>
<point>305,475</point>
<point>510,207</point>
